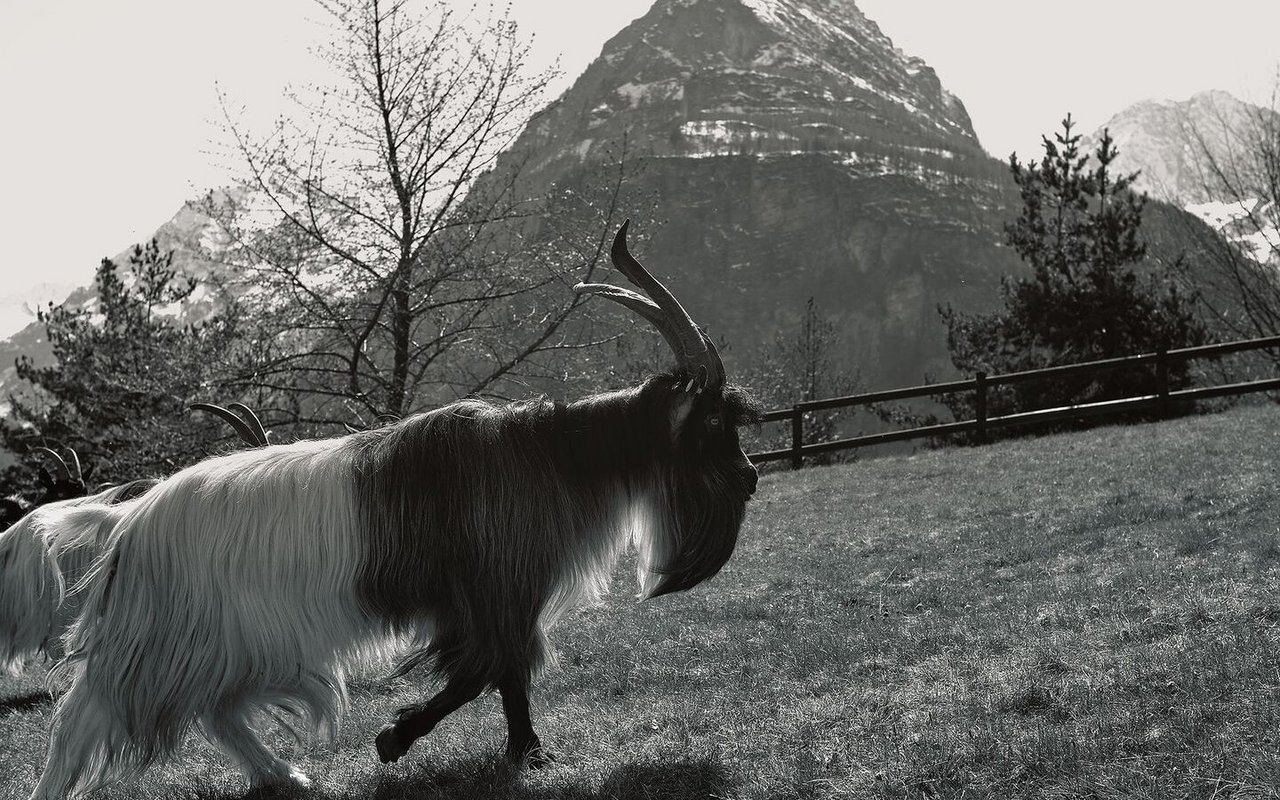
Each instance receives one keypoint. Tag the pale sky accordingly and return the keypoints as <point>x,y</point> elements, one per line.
<point>108,107</point>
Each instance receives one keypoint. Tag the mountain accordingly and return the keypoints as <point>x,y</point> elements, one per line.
<point>793,152</point>
<point>1175,143</point>
<point>1158,137</point>
<point>700,78</point>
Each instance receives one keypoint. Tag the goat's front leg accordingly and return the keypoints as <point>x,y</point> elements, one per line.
<point>414,722</point>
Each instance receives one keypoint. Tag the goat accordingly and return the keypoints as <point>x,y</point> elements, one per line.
<point>32,587</point>
<point>43,554</point>
<point>62,486</point>
<point>251,581</point>
<point>48,549</point>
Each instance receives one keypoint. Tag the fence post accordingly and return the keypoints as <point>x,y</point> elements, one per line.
<point>980,405</point>
<point>1162,380</point>
<point>797,437</point>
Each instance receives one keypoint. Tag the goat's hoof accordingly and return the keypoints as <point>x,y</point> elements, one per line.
<point>284,780</point>
<point>390,744</point>
<point>530,758</point>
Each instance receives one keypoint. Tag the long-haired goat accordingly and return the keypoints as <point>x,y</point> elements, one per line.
<point>42,555</point>
<point>250,580</point>
<point>49,548</point>
<point>63,484</point>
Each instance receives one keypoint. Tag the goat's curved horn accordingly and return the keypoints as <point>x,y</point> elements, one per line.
<point>640,305</point>
<point>259,432</point>
<point>242,428</point>
<point>63,470</point>
<point>692,348</point>
<point>75,459</point>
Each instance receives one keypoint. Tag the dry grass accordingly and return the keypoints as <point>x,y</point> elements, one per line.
<point>1086,615</point>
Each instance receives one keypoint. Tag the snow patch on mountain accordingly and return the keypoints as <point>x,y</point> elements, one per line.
<point>1247,223</point>
<point>637,93</point>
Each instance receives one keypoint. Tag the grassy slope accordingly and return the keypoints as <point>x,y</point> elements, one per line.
<point>1092,614</point>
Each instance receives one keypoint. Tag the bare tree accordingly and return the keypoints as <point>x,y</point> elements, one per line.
<point>800,365</point>
<point>1238,270</point>
<point>385,243</point>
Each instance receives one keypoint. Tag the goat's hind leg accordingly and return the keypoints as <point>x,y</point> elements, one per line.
<point>80,752</point>
<point>414,722</point>
<point>230,731</point>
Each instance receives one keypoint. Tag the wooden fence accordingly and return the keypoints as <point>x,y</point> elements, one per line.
<point>981,424</point>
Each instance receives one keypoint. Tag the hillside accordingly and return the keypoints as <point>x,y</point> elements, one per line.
<point>1092,614</point>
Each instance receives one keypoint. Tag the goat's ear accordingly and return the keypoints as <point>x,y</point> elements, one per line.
<point>687,393</point>
<point>46,479</point>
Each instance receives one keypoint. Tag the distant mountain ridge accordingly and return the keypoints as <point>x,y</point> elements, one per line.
<point>18,309</point>
<point>1166,140</point>
<point>1157,137</point>
<point>188,234</point>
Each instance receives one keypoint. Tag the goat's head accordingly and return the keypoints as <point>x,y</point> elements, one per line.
<point>10,511</point>
<point>63,483</point>
<point>707,477</point>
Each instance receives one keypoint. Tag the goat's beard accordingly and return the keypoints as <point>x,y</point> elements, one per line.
<point>689,530</point>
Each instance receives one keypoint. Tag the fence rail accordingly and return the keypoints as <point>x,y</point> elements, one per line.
<point>981,383</point>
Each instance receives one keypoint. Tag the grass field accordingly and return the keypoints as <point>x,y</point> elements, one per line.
<point>1085,615</point>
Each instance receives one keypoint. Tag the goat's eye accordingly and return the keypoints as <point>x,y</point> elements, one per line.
<point>715,422</point>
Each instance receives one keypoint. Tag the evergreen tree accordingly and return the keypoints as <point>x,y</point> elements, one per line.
<point>126,368</point>
<point>1078,231</point>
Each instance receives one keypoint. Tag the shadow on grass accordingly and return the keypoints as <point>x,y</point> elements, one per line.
<point>22,703</point>
<point>481,777</point>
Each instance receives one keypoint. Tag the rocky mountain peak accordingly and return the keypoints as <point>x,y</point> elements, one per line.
<point>720,77</point>
<point>1159,139</point>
